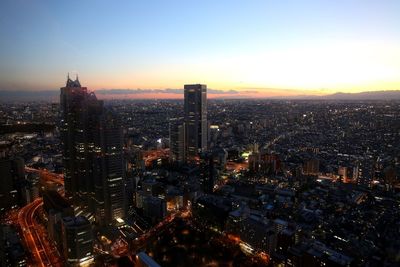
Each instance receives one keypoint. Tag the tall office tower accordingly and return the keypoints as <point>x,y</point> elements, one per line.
<point>79,129</point>
<point>207,172</point>
<point>110,184</point>
<point>92,155</point>
<point>177,138</point>
<point>77,240</point>
<point>195,119</point>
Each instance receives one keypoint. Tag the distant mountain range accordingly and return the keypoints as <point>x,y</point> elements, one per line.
<point>368,95</point>
<point>53,95</point>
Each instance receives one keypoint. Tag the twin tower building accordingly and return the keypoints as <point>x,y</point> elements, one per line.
<point>92,143</point>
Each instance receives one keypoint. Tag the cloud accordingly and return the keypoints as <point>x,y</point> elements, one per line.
<point>125,91</point>
<point>166,91</point>
<point>169,93</point>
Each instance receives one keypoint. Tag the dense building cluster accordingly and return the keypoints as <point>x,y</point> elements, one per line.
<point>293,183</point>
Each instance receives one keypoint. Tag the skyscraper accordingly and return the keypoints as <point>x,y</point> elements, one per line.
<point>80,114</point>
<point>195,119</point>
<point>110,184</point>
<point>207,172</point>
<point>92,155</point>
<point>177,136</point>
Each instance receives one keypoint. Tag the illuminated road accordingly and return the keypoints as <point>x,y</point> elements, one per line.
<point>143,240</point>
<point>152,155</point>
<point>42,251</point>
<point>236,167</point>
<point>47,176</point>
<point>263,256</point>
<point>26,221</point>
<point>122,248</point>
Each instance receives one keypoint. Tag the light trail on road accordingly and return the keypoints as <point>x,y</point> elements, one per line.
<point>25,219</point>
<point>34,239</point>
<point>152,155</point>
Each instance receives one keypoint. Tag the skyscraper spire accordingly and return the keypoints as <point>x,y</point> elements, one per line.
<point>76,82</point>
<point>68,81</point>
<point>71,83</point>
<point>86,123</point>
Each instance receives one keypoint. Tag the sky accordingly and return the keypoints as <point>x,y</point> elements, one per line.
<point>249,48</point>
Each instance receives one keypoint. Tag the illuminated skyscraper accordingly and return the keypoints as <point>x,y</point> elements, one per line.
<point>92,155</point>
<point>195,119</point>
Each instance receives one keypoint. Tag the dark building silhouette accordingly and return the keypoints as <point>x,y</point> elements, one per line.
<point>56,207</point>
<point>77,240</point>
<point>80,123</point>
<point>92,143</point>
<point>311,167</point>
<point>12,252</point>
<point>207,172</point>
<point>110,185</point>
<point>52,200</point>
<point>195,119</point>
<point>177,137</point>
<point>12,180</point>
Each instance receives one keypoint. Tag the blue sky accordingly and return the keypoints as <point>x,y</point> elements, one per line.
<point>226,44</point>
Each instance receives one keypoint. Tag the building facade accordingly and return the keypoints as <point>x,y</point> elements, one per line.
<point>92,142</point>
<point>12,179</point>
<point>77,238</point>
<point>195,119</point>
<point>177,137</point>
